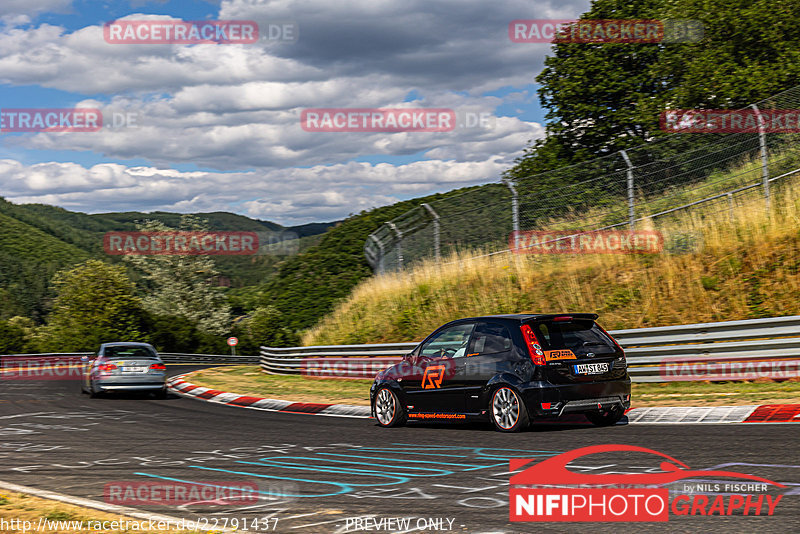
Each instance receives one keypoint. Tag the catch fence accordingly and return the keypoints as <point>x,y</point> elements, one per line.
<point>655,181</point>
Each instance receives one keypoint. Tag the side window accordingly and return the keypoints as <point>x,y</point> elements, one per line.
<point>448,343</point>
<point>490,338</point>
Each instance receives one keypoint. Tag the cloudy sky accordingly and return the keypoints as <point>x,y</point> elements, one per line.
<point>208,127</point>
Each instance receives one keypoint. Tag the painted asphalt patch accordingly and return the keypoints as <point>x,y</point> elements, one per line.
<point>322,474</point>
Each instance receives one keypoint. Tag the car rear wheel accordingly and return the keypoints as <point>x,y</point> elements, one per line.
<point>606,417</point>
<point>388,410</point>
<point>508,411</point>
<point>93,393</point>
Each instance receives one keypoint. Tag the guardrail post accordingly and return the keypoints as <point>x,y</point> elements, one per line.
<point>399,244</point>
<point>514,211</point>
<point>436,237</point>
<point>631,206</point>
<point>762,141</point>
<point>730,205</point>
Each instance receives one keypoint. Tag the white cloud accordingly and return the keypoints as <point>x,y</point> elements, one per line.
<point>237,107</point>
<point>288,196</point>
<point>168,131</point>
<point>32,7</point>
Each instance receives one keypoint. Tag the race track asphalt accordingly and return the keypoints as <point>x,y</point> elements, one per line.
<point>318,474</point>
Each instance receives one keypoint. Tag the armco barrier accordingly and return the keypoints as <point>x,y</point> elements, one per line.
<point>171,357</point>
<point>730,350</point>
<point>326,361</point>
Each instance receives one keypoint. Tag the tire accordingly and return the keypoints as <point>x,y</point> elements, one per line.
<point>161,394</point>
<point>606,417</point>
<point>388,410</point>
<point>93,393</point>
<point>507,410</point>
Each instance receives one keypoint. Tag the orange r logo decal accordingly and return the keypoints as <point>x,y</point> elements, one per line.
<point>432,379</point>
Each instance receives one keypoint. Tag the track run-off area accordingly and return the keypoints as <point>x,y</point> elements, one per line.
<point>323,474</point>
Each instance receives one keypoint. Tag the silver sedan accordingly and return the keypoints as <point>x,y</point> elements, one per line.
<point>124,367</point>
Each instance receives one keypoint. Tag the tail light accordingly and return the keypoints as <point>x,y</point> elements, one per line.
<point>106,367</point>
<point>158,367</point>
<point>534,348</point>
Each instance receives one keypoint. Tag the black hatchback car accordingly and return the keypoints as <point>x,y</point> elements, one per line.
<point>507,368</point>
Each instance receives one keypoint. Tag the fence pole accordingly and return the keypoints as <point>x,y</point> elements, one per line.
<point>762,140</point>
<point>436,236</point>
<point>631,206</point>
<point>399,245</point>
<point>514,211</point>
<point>379,267</point>
<point>730,205</point>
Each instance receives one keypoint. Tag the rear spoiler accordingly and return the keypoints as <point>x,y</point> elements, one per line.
<point>550,317</point>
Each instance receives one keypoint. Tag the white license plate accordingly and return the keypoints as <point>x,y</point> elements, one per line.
<point>590,368</point>
<point>134,369</point>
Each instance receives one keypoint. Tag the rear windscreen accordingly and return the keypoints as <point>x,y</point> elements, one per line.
<point>129,352</point>
<point>581,337</point>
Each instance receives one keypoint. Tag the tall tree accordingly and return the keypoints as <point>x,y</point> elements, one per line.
<point>604,97</point>
<point>95,303</point>
<point>181,286</point>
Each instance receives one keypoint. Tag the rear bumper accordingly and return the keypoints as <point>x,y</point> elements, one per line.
<point>128,382</point>
<point>544,399</point>
<point>130,387</point>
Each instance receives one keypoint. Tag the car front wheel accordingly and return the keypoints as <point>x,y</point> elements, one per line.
<point>93,393</point>
<point>508,411</point>
<point>388,410</point>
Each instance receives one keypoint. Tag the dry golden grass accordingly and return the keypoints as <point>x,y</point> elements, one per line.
<point>746,266</point>
<point>17,508</point>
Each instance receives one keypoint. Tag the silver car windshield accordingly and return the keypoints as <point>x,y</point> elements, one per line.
<point>129,352</point>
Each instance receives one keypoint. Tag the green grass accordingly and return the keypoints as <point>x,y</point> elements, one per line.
<point>715,393</point>
<point>249,380</point>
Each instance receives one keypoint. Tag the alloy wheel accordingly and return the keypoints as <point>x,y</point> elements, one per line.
<point>385,407</point>
<point>505,408</point>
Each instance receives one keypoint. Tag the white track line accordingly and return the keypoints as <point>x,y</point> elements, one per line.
<point>97,505</point>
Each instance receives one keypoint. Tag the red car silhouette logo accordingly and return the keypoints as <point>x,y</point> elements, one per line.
<point>553,471</point>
